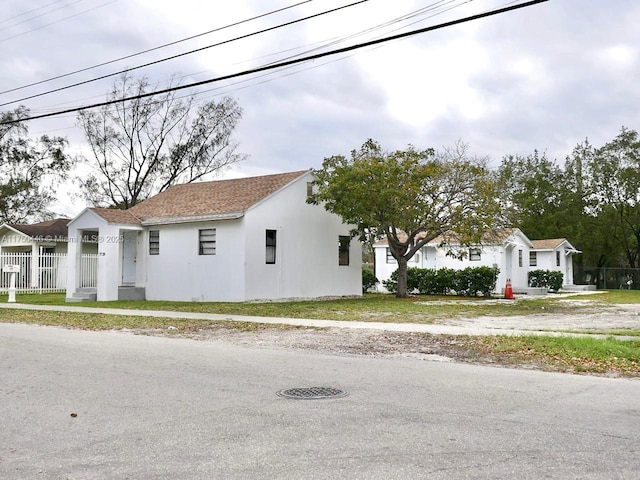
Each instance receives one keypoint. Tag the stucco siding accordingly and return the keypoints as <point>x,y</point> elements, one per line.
<point>306,249</point>
<point>180,273</point>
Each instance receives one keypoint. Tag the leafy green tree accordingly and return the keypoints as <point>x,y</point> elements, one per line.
<point>615,191</point>
<point>143,146</point>
<point>409,196</point>
<point>532,194</point>
<point>30,170</point>
<point>587,225</point>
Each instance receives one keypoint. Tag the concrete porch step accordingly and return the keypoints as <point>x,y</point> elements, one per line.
<point>83,295</point>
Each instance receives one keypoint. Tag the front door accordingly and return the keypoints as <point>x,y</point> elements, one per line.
<point>129,253</point>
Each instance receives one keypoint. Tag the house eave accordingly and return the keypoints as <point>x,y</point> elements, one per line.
<point>191,218</point>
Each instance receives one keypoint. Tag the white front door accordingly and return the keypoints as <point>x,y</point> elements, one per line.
<point>129,253</point>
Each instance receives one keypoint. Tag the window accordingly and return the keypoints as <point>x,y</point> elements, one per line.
<point>343,249</point>
<point>154,242</point>
<point>271,247</point>
<point>390,258</point>
<point>519,258</point>
<point>557,259</point>
<point>309,189</point>
<point>207,241</point>
<point>533,259</point>
<point>475,255</point>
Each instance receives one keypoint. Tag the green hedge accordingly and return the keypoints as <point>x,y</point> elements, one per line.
<point>469,282</point>
<point>369,280</point>
<point>550,279</point>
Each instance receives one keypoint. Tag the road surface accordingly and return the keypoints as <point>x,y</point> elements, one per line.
<point>110,405</point>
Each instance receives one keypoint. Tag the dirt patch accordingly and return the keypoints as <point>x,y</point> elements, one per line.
<point>460,348</point>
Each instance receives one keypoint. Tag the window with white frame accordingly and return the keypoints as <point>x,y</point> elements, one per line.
<point>475,254</point>
<point>154,242</point>
<point>557,258</point>
<point>519,258</point>
<point>390,258</point>
<point>533,259</point>
<point>271,247</point>
<point>207,241</point>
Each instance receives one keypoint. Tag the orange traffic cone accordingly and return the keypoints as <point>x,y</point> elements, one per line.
<point>508,291</point>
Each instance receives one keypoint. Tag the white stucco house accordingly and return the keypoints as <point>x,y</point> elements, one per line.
<point>228,240</point>
<point>39,250</point>
<point>510,251</point>
<point>49,236</point>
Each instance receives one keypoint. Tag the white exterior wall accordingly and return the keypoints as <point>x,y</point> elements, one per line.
<point>306,249</point>
<point>504,257</point>
<point>179,273</point>
<point>547,261</point>
<point>109,247</point>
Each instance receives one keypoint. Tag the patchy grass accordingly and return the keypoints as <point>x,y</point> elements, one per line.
<point>567,354</point>
<point>86,321</point>
<point>615,296</point>
<point>370,307</point>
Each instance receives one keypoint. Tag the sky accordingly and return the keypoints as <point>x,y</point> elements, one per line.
<point>543,77</point>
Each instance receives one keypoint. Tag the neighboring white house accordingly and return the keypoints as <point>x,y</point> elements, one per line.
<point>44,237</point>
<point>39,250</point>
<point>511,252</point>
<point>229,240</point>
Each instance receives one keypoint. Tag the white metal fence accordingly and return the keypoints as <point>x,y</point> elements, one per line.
<point>47,273</point>
<point>89,270</point>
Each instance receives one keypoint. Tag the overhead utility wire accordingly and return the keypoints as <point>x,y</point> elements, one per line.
<point>30,11</point>
<point>155,48</point>
<point>37,16</point>
<point>183,54</point>
<point>321,45</point>
<point>407,16</point>
<point>58,21</point>
<point>284,64</point>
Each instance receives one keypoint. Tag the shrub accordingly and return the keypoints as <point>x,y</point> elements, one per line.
<point>474,281</point>
<point>550,279</point>
<point>471,281</point>
<point>413,280</point>
<point>369,280</point>
<point>391,284</point>
<point>445,281</point>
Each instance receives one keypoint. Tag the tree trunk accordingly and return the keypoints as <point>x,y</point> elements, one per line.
<point>402,278</point>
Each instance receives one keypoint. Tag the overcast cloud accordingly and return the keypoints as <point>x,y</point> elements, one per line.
<point>543,77</point>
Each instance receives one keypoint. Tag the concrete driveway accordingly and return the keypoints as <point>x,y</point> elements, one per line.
<point>153,407</point>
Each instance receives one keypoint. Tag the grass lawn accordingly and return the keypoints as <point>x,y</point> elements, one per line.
<point>370,307</point>
<point>582,355</point>
<point>574,354</point>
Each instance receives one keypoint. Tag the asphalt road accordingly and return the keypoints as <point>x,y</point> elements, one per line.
<point>163,408</point>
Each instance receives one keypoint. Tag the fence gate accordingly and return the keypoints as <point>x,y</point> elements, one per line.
<point>47,273</point>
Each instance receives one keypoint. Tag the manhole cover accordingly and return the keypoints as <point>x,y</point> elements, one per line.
<point>312,393</point>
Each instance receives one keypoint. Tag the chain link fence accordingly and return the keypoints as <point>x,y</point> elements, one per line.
<point>608,277</point>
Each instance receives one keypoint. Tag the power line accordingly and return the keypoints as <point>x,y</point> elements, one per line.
<point>289,62</point>
<point>27,12</point>
<point>321,45</point>
<point>35,16</point>
<point>183,54</point>
<point>155,48</point>
<point>58,21</point>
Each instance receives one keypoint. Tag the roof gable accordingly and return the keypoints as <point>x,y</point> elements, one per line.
<point>553,244</point>
<point>220,198</point>
<point>114,215</point>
